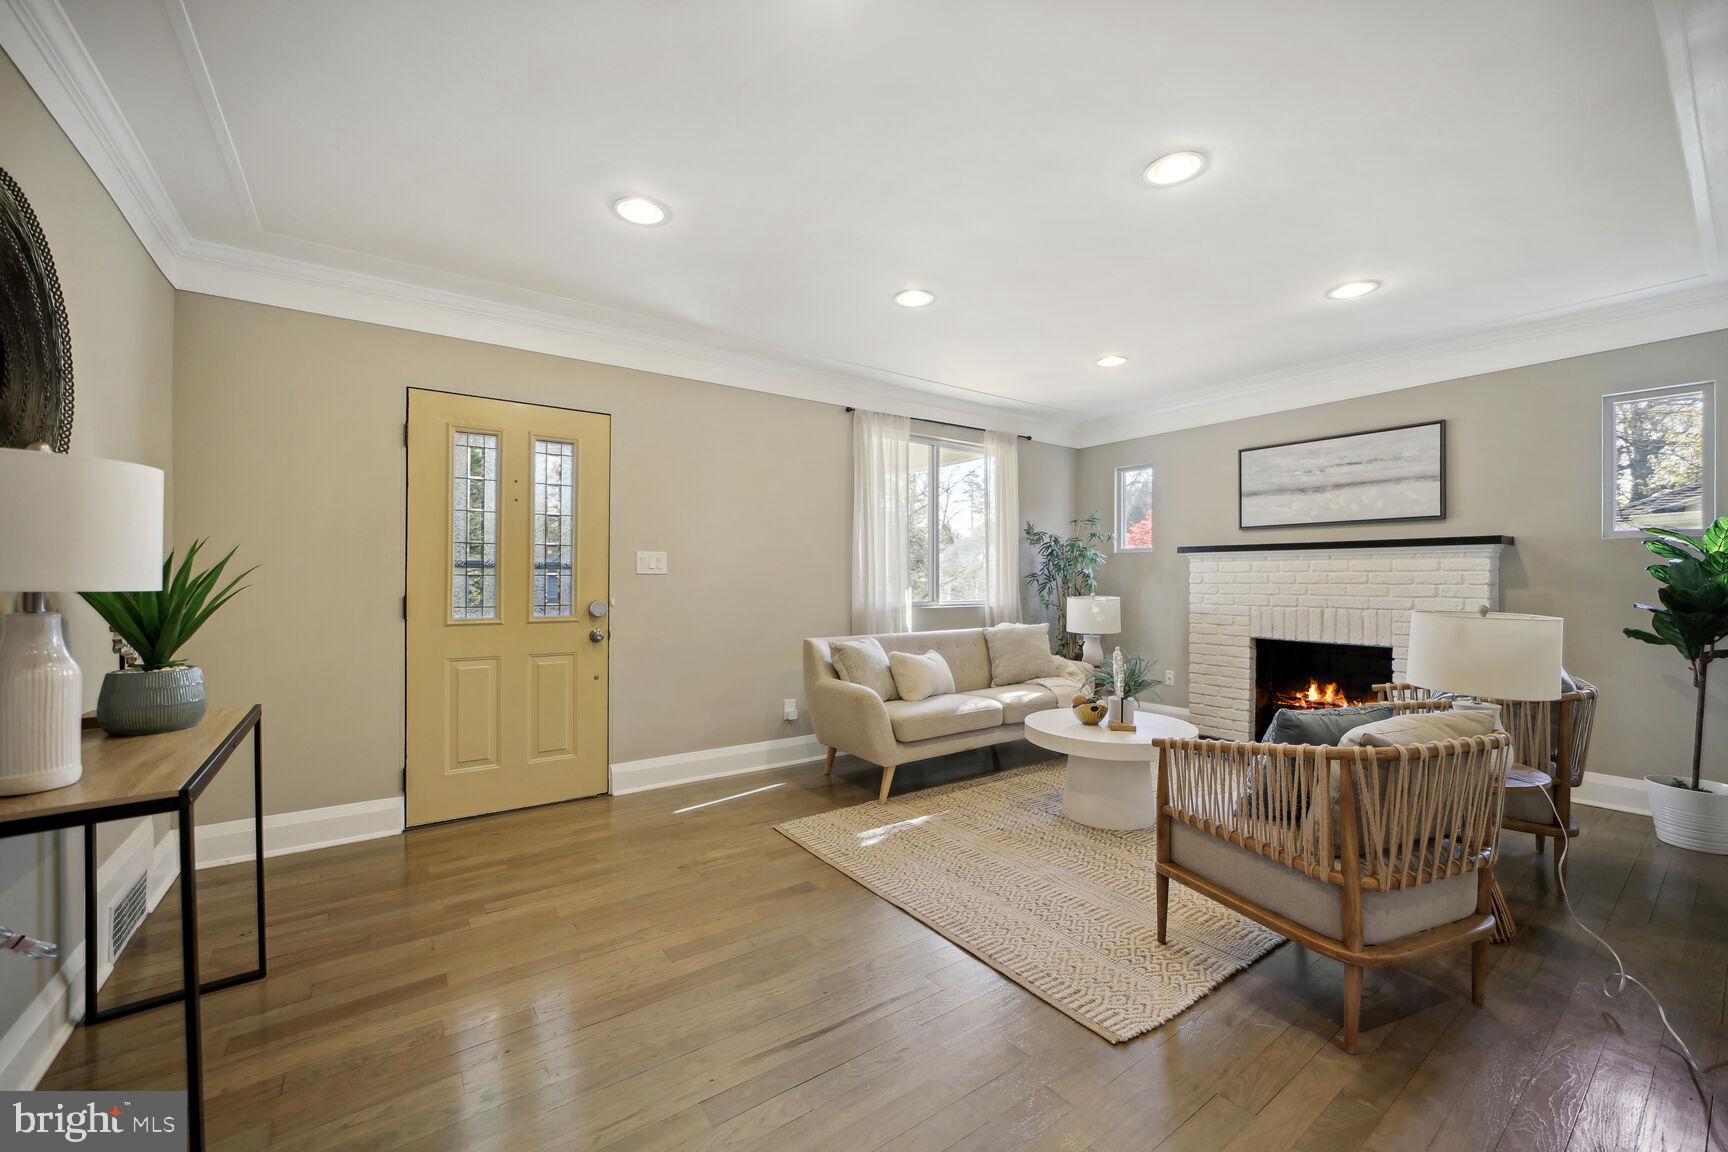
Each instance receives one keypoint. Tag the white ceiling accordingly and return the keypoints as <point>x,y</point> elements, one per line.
<point>1527,179</point>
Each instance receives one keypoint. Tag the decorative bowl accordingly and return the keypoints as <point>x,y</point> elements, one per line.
<point>1091,713</point>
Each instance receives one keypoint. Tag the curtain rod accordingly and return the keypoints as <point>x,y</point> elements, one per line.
<point>950,424</point>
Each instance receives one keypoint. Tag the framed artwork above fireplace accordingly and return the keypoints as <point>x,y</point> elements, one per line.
<point>1384,475</point>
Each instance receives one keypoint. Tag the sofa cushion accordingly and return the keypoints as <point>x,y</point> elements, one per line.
<point>1021,700</point>
<point>1419,728</point>
<point>1019,652</point>
<point>1325,726</point>
<point>942,716</point>
<point>862,661</point>
<point>920,675</point>
<point>964,649</point>
<point>1313,903</point>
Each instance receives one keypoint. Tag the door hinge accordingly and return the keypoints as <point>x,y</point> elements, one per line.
<point>404,779</point>
<point>404,433</point>
<point>404,607</point>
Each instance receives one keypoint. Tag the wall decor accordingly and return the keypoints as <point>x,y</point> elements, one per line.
<point>35,341</point>
<point>1389,474</point>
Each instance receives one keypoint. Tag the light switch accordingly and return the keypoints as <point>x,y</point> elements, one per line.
<point>650,563</point>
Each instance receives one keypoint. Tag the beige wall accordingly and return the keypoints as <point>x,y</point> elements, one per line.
<point>121,312</point>
<point>1523,459</point>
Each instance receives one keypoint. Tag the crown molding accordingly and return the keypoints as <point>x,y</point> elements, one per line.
<point>1669,315</point>
<point>41,41</point>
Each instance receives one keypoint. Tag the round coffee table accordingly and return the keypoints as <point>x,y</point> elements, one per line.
<point>1110,774</point>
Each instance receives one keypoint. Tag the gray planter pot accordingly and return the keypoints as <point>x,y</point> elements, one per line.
<point>138,703</point>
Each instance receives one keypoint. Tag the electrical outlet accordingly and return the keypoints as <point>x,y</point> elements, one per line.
<point>790,709</point>
<point>1169,676</point>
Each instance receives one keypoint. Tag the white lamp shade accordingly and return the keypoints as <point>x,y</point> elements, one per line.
<point>1090,615</point>
<point>78,523</point>
<point>1496,656</point>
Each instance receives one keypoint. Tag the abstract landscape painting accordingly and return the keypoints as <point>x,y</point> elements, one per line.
<point>1392,474</point>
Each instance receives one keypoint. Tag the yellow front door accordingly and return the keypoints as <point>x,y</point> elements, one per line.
<point>507,593</point>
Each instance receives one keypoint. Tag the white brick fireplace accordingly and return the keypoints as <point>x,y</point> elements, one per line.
<point>1336,593</point>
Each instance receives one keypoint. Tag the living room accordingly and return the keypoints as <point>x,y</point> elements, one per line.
<point>686,475</point>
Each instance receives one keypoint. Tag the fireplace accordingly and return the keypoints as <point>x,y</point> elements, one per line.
<point>1302,674</point>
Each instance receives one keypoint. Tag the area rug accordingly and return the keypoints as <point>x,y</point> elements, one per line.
<point>1067,912</point>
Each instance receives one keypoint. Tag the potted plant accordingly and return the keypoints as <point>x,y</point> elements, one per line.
<point>1066,566</point>
<point>1693,619</point>
<point>161,694</point>
<point>1125,678</point>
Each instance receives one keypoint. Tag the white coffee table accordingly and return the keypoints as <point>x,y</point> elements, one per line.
<point>1110,774</point>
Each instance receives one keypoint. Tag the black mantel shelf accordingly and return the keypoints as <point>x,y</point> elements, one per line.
<point>1333,545</point>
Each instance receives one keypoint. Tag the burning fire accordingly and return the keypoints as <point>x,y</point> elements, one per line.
<point>1317,696</point>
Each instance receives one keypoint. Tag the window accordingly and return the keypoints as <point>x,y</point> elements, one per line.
<point>554,545</point>
<point>1134,509</point>
<point>474,527</point>
<point>1658,459</point>
<point>945,517</point>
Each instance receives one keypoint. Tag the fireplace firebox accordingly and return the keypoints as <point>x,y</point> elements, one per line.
<point>1300,674</point>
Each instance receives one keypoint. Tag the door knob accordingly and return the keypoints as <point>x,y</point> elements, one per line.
<point>596,635</point>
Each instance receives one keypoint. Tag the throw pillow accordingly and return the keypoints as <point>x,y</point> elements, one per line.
<point>863,662</point>
<point>1018,653</point>
<point>1419,728</point>
<point>921,675</point>
<point>1325,726</point>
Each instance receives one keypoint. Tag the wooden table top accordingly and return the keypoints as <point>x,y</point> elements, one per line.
<point>128,770</point>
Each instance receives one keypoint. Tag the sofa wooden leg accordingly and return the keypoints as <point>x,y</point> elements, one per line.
<point>995,757</point>
<point>1352,1006</point>
<point>828,768</point>
<point>887,779</point>
<point>1479,972</point>
<point>1163,889</point>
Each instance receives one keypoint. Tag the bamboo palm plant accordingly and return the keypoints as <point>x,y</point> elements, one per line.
<point>1066,566</point>
<point>156,624</point>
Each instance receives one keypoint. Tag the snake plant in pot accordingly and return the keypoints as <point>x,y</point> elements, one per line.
<point>161,694</point>
<point>1692,619</point>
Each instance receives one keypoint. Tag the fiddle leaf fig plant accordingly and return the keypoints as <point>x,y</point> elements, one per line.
<point>1692,617</point>
<point>1066,566</point>
<point>156,624</point>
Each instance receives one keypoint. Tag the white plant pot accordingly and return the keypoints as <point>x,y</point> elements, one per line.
<point>1688,819</point>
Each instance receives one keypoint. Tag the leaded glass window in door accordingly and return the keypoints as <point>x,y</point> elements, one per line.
<point>474,526</point>
<point>553,550</point>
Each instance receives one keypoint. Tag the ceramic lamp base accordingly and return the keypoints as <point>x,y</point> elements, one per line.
<point>1092,650</point>
<point>41,705</point>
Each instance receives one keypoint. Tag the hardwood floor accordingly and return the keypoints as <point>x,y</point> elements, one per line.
<point>665,971</point>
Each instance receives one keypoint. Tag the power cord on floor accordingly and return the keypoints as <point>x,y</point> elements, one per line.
<point>1619,978</point>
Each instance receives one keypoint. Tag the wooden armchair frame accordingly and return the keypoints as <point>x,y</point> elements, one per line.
<point>1405,817</point>
<point>1531,723</point>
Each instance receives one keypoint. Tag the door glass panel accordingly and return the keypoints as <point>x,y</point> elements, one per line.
<point>553,550</point>
<point>474,527</point>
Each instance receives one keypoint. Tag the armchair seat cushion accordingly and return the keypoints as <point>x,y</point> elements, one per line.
<point>942,716</point>
<point>1313,903</point>
<point>1019,700</point>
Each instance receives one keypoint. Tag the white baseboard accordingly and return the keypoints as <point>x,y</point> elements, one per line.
<point>287,832</point>
<point>1620,793</point>
<point>42,1029</point>
<point>713,763</point>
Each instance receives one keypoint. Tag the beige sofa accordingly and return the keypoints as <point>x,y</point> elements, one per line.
<point>852,718</point>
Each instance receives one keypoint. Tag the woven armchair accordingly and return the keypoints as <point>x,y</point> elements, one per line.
<point>1551,735</point>
<point>1371,856</point>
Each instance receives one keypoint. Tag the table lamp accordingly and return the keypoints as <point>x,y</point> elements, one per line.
<point>1488,655</point>
<point>67,523</point>
<point>1091,615</point>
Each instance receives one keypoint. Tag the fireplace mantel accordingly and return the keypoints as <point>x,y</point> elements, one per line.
<point>1334,545</point>
<point>1356,592</point>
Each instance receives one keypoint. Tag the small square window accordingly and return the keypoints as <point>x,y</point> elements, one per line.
<point>1658,460</point>
<point>1134,509</point>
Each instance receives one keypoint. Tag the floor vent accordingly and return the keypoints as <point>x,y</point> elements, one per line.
<point>126,914</point>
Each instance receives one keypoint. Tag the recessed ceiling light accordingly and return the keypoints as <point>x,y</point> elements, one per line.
<point>914,298</point>
<point>1112,361</point>
<point>1353,289</point>
<point>1175,168</point>
<point>640,210</point>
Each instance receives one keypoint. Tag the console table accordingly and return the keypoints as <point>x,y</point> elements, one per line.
<point>128,777</point>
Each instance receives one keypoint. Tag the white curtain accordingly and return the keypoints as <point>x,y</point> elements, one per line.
<point>881,584</point>
<point>1001,528</point>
